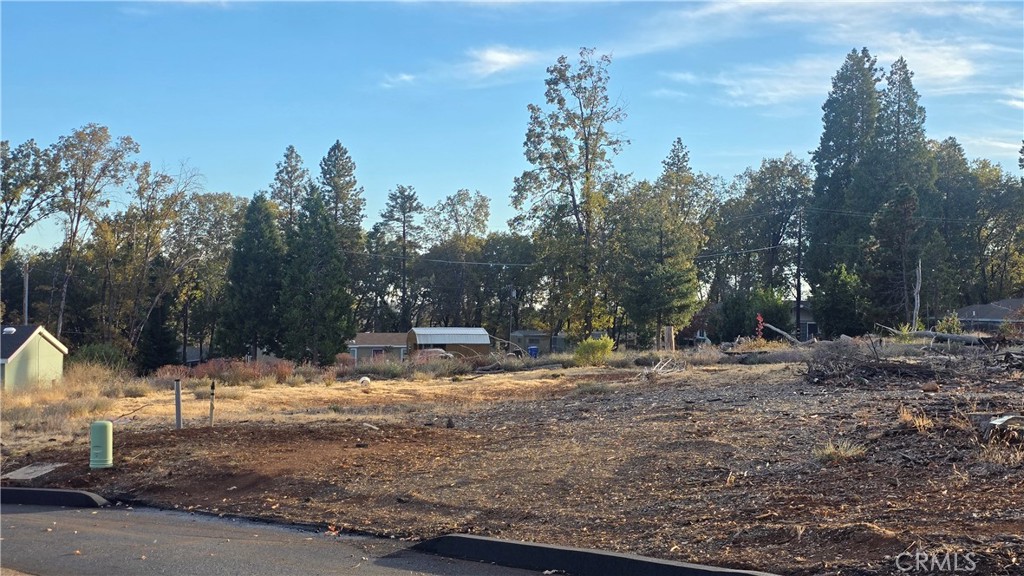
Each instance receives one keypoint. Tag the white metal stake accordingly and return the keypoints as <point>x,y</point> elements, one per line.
<point>177,404</point>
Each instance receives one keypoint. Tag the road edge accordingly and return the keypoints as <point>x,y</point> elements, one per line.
<point>574,561</point>
<point>51,497</point>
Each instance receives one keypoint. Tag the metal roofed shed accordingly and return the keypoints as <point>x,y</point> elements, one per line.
<point>460,341</point>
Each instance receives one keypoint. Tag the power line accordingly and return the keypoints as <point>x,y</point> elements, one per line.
<point>918,218</point>
<point>736,252</point>
<point>440,261</point>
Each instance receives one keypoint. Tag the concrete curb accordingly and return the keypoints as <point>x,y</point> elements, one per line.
<point>51,497</point>
<point>574,561</point>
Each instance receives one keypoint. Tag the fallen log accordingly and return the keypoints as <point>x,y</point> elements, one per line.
<point>786,334</point>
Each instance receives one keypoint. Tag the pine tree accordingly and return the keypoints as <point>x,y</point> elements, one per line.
<point>157,345</point>
<point>316,306</point>
<point>342,196</point>
<point>850,118</point>
<point>399,217</point>
<point>291,181</point>
<point>253,291</point>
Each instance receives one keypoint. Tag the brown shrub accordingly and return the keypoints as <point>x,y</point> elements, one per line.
<point>345,359</point>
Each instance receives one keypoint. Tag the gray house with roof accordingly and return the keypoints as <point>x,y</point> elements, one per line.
<point>989,317</point>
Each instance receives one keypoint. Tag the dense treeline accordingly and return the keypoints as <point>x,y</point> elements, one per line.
<point>149,261</point>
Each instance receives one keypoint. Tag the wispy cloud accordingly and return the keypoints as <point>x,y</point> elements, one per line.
<point>397,80</point>
<point>670,94</point>
<point>480,67</point>
<point>776,84</point>
<point>495,59</point>
<point>682,77</point>
<point>1015,98</point>
<point>765,85</point>
<point>994,145</point>
<point>946,60</point>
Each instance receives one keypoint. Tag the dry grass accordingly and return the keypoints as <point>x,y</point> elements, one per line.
<point>840,451</point>
<point>760,344</point>
<point>1002,454</point>
<point>87,391</point>
<point>918,420</point>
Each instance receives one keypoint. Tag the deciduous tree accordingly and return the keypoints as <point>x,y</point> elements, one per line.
<point>91,162</point>
<point>570,144</point>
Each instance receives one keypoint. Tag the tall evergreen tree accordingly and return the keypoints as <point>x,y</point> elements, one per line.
<point>252,296</point>
<point>400,218</point>
<point>653,259</point>
<point>849,119</point>
<point>291,180</point>
<point>342,194</point>
<point>894,254</point>
<point>316,306</point>
<point>157,344</point>
<point>896,183</point>
<point>955,267</point>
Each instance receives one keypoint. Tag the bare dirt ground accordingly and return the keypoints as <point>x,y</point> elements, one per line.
<point>712,464</point>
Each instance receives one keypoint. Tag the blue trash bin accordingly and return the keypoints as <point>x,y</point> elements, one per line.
<point>533,351</point>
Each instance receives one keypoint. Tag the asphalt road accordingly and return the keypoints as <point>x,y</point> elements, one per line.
<point>48,541</point>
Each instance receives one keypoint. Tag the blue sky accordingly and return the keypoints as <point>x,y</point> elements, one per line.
<point>434,95</point>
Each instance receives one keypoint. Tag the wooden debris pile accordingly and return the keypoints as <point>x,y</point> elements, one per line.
<point>1009,361</point>
<point>663,366</point>
<point>839,370</point>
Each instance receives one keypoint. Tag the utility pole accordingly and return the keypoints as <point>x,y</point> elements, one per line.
<point>799,249</point>
<point>24,303</point>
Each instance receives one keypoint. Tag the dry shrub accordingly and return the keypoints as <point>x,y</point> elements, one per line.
<point>704,356</point>
<point>132,388</point>
<point>382,368</point>
<point>211,369</point>
<point>345,359</point>
<point>239,372</point>
<point>309,372</point>
<point>283,369</point>
<point>197,383</point>
<point>342,371</point>
<point>421,376</point>
<point>164,376</point>
<point>263,382</point>
<point>444,367</point>
<point>295,380</point>
<point>622,359</point>
<point>172,371</point>
<point>85,379</point>
<point>759,344</point>
<point>917,420</point>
